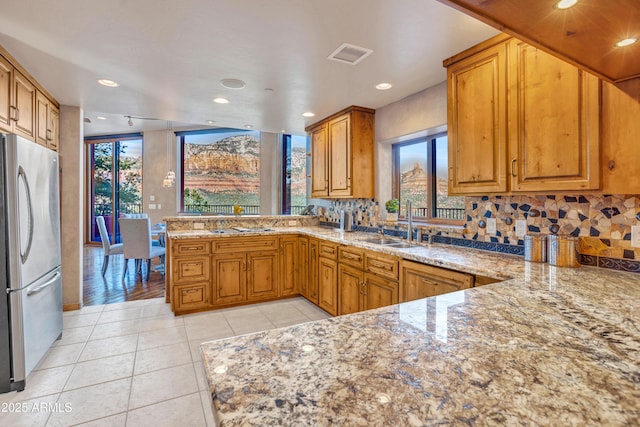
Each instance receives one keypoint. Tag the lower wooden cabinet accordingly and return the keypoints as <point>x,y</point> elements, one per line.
<point>191,297</point>
<point>229,278</point>
<point>350,289</point>
<point>289,277</point>
<point>303,266</point>
<point>378,292</point>
<point>422,281</point>
<point>262,275</point>
<point>313,290</point>
<point>328,285</point>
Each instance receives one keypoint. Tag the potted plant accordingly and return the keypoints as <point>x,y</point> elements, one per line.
<point>392,207</point>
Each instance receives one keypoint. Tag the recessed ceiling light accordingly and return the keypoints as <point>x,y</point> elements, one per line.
<point>566,4</point>
<point>308,114</point>
<point>248,126</point>
<point>283,131</point>
<point>108,83</point>
<point>221,100</point>
<point>101,118</point>
<point>233,83</point>
<point>210,122</point>
<point>627,42</point>
<point>384,86</point>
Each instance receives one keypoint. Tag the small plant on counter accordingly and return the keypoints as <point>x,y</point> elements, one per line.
<point>392,205</point>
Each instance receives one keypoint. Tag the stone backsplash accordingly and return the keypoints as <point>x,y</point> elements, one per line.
<point>603,223</point>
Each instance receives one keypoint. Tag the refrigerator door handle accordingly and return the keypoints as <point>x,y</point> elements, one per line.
<point>44,285</point>
<point>22,176</point>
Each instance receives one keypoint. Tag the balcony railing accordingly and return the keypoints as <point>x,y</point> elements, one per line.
<point>442,213</point>
<point>123,208</point>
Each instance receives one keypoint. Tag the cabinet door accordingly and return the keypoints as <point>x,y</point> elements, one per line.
<point>339,157</point>
<point>620,137</point>
<point>25,103</point>
<point>54,128</point>
<point>313,272</point>
<point>477,123</point>
<point>42,119</point>
<point>6,82</point>
<point>303,266</point>
<point>349,289</point>
<point>378,292</point>
<point>319,162</point>
<point>554,123</point>
<point>229,278</point>
<point>262,275</point>
<point>288,266</point>
<point>328,285</point>
<point>422,281</point>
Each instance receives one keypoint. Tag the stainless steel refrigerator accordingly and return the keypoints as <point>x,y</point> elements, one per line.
<point>31,301</point>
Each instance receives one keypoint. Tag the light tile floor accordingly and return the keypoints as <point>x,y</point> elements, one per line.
<point>136,364</point>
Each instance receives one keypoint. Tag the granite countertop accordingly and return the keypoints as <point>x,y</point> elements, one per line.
<point>549,346</point>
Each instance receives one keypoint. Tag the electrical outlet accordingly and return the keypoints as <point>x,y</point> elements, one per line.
<point>159,206</point>
<point>491,226</point>
<point>152,198</point>
<point>521,227</point>
<point>635,236</point>
<point>292,223</point>
<point>152,206</point>
<point>198,225</point>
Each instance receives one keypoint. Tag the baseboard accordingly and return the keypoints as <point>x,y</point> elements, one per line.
<point>70,307</point>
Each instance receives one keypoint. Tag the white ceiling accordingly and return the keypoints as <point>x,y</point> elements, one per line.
<point>169,56</point>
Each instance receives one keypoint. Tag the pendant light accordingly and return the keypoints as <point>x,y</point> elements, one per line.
<point>170,177</point>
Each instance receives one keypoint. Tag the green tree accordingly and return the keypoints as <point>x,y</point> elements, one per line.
<point>129,178</point>
<point>193,197</point>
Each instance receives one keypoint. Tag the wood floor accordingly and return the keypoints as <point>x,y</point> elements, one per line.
<point>110,288</point>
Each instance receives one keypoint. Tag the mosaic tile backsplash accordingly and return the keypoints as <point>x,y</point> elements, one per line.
<point>603,223</point>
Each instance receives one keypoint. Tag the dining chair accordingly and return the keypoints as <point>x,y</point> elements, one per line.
<point>136,239</point>
<point>109,249</point>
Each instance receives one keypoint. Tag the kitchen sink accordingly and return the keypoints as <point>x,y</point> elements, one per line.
<point>383,241</point>
<point>223,231</point>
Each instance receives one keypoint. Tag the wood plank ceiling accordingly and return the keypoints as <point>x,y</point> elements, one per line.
<point>584,34</point>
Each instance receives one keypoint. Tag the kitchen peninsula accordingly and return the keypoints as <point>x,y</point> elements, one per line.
<point>551,346</point>
<point>545,346</point>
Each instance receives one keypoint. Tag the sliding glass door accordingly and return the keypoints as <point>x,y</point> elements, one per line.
<point>115,183</point>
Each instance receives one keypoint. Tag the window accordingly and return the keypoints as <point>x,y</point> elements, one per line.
<point>220,169</point>
<point>115,180</point>
<point>294,179</point>
<point>421,175</point>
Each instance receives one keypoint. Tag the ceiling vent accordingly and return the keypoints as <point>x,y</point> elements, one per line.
<point>350,54</point>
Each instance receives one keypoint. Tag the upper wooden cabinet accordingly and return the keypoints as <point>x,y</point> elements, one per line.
<point>342,154</point>
<point>24,108</point>
<point>554,132</point>
<point>47,122</point>
<point>319,162</point>
<point>477,122</point>
<point>520,120</point>
<point>620,136</point>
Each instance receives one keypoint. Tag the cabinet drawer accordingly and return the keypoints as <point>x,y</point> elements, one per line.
<point>245,244</point>
<point>191,269</point>
<point>328,250</point>
<point>190,297</point>
<point>191,247</point>
<point>383,266</point>
<point>351,256</point>
<point>422,281</point>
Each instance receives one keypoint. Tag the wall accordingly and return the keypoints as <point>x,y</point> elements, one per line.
<point>154,169</point>
<point>72,201</point>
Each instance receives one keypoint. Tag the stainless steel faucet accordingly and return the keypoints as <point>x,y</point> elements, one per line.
<point>409,222</point>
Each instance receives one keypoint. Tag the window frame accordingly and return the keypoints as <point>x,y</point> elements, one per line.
<point>430,140</point>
